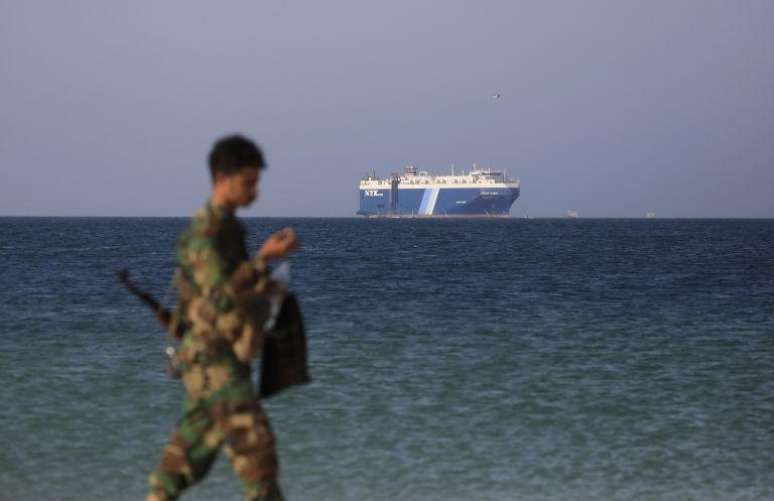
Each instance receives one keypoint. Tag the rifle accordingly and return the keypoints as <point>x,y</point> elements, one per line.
<point>284,361</point>
<point>163,315</point>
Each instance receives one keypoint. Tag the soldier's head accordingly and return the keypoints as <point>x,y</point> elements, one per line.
<point>235,166</point>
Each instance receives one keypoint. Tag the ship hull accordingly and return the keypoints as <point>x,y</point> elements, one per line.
<point>438,201</point>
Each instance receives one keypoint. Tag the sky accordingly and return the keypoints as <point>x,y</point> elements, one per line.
<point>611,108</point>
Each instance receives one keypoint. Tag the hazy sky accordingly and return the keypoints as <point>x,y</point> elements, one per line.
<point>613,108</point>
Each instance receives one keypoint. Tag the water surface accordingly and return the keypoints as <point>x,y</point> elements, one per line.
<point>452,359</point>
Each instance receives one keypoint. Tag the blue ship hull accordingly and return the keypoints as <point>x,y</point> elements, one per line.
<point>438,202</point>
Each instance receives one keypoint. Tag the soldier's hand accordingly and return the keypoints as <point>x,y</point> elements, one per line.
<point>279,244</point>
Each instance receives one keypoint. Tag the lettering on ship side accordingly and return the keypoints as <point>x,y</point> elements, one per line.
<point>373,193</point>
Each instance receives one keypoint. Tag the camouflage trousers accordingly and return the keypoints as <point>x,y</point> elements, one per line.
<point>240,427</point>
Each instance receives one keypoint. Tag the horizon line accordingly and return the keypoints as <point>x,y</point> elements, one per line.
<point>5,216</point>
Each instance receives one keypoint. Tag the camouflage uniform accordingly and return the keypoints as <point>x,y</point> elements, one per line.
<point>223,305</point>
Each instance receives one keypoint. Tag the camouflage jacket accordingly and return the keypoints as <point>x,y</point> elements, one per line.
<point>222,303</point>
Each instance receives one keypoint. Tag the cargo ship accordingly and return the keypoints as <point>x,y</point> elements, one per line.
<point>478,193</point>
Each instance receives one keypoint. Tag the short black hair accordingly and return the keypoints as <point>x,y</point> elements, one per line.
<point>232,153</point>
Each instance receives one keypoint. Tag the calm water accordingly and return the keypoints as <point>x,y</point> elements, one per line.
<point>488,360</point>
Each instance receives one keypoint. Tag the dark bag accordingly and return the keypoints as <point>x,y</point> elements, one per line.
<point>284,351</point>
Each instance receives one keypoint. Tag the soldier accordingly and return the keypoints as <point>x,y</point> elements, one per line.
<point>223,305</point>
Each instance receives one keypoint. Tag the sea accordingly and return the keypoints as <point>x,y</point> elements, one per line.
<point>502,359</point>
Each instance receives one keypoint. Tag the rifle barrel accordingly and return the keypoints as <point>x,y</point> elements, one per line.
<point>162,314</point>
